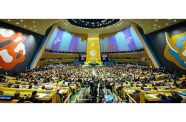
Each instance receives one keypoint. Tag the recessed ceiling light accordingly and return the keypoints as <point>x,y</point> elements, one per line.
<point>34,26</point>
<point>17,23</point>
<point>175,20</point>
<point>21,20</point>
<point>9,20</point>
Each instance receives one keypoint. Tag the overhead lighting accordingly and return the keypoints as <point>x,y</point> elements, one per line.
<point>175,20</point>
<point>159,26</point>
<point>154,28</point>
<point>21,20</point>
<point>24,25</point>
<point>31,28</point>
<point>154,25</point>
<point>9,20</point>
<point>17,23</point>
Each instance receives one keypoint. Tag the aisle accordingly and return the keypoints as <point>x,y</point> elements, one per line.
<point>94,72</point>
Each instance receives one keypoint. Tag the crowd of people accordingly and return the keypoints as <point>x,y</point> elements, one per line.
<point>104,77</point>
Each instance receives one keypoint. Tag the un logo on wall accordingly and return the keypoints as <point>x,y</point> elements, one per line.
<point>93,53</point>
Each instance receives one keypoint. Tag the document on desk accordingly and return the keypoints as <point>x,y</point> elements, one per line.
<point>41,95</point>
<point>128,90</point>
<point>61,91</point>
<point>152,95</point>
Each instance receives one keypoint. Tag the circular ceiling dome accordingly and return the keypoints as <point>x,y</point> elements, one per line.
<point>92,23</point>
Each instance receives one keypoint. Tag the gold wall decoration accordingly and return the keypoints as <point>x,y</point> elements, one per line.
<point>93,49</point>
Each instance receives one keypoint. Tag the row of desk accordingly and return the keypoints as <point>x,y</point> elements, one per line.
<point>43,95</point>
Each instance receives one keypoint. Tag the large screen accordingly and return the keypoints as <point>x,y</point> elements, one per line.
<point>61,40</point>
<point>125,40</point>
<point>83,57</point>
<point>104,57</point>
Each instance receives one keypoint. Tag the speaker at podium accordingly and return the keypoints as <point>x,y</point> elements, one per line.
<point>93,63</point>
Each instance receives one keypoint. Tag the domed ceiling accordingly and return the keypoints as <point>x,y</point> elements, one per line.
<point>93,23</point>
<point>86,26</point>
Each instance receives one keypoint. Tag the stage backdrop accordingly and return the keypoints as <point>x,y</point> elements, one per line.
<point>125,40</point>
<point>64,41</point>
<point>17,48</point>
<point>169,45</point>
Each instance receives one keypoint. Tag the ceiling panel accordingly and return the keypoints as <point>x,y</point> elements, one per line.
<point>36,25</point>
<point>151,25</point>
<point>41,25</point>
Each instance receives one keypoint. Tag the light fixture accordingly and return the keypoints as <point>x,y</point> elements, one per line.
<point>21,20</point>
<point>17,23</point>
<point>9,20</point>
<point>31,28</point>
<point>159,26</point>
<point>154,25</point>
<point>175,20</point>
<point>154,28</point>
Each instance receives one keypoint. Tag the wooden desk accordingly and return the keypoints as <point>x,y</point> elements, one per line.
<point>6,101</point>
<point>74,87</point>
<point>151,96</point>
<point>65,90</point>
<point>23,92</point>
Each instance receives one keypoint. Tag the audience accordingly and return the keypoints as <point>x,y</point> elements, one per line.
<point>110,77</point>
<point>164,98</point>
<point>33,98</point>
<point>176,98</point>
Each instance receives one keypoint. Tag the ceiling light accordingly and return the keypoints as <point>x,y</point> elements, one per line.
<point>154,28</point>
<point>154,25</point>
<point>9,20</point>
<point>21,20</point>
<point>17,23</point>
<point>159,26</point>
<point>34,26</point>
<point>167,23</point>
<point>175,20</point>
